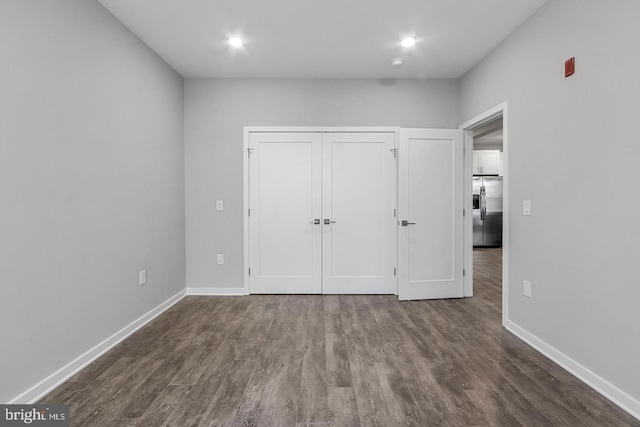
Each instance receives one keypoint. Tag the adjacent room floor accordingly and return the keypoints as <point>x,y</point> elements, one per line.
<point>333,360</point>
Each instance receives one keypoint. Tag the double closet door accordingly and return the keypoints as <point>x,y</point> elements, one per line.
<point>322,208</point>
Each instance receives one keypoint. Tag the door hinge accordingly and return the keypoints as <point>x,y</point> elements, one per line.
<point>249,152</point>
<point>249,271</point>
<point>394,151</point>
<point>394,271</point>
<point>394,213</point>
<point>464,272</point>
<point>464,212</point>
<point>249,212</point>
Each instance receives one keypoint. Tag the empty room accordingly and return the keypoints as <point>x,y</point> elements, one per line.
<point>298,213</point>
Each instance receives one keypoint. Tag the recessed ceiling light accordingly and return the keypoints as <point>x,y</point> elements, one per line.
<point>235,41</point>
<point>408,41</point>
<point>397,62</point>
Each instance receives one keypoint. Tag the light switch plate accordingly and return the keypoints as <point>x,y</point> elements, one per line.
<point>526,207</point>
<point>219,205</point>
<point>527,288</point>
<point>220,258</point>
<point>142,277</point>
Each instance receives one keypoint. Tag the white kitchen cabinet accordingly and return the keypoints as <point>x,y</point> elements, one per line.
<point>487,162</point>
<point>476,162</point>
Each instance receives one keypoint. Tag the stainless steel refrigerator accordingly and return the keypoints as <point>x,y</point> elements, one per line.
<point>487,211</point>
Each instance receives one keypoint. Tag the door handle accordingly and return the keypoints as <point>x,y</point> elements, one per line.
<point>328,221</point>
<point>483,203</point>
<point>404,223</point>
<point>315,221</point>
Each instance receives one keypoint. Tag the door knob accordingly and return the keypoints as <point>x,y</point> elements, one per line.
<point>404,223</point>
<point>328,221</point>
<point>315,221</point>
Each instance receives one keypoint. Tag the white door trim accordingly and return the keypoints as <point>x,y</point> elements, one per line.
<point>247,130</point>
<point>245,206</point>
<point>467,127</point>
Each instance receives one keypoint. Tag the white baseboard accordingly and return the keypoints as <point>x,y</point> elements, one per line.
<point>216,291</point>
<point>61,375</point>
<point>602,386</point>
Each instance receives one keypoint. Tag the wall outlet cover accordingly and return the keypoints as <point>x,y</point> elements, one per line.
<point>142,277</point>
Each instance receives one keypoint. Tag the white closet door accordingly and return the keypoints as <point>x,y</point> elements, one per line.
<point>285,197</point>
<point>358,206</point>
<point>430,203</point>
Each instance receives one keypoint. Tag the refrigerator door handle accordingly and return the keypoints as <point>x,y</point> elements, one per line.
<point>483,203</point>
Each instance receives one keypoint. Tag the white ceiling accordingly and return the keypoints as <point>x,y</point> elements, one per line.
<point>322,39</point>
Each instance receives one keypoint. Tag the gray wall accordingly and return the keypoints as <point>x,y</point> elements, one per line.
<point>91,184</point>
<point>574,152</point>
<point>217,110</point>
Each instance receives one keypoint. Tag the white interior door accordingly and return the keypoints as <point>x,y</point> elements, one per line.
<point>358,207</point>
<point>430,196</point>
<point>285,199</point>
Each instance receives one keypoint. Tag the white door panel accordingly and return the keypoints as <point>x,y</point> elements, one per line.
<point>285,185</point>
<point>430,199</point>
<point>358,200</point>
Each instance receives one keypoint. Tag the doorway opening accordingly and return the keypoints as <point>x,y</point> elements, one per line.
<point>487,212</point>
<point>486,195</point>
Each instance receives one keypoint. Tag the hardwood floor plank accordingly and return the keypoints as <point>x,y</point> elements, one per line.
<point>280,406</point>
<point>369,326</point>
<point>331,304</point>
<point>525,412</point>
<point>259,392</point>
<point>343,407</point>
<point>225,403</point>
<point>314,357</point>
<point>137,401</point>
<point>141,381</point>
<point>110,389</point>
<point>594,410</point>
<point>369,397</point>
<point>400,404</point>
<point>196,360</point>
<point>492,409</point>
<point>552,409</point>
<point>313,402</point>
<point>338,369</point>
<point>168,409</point>
<point>97,367</point>
<point>423,388</point>
<point>370,400</point>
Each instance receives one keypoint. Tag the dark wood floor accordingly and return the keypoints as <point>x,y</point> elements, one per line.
<point>333,360</point>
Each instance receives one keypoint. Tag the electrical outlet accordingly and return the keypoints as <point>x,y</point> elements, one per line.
<point>527,288</point>
<point>526,207</point>
<point>219,205</point>
<point>142,277</point>
<point>220,258</point>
